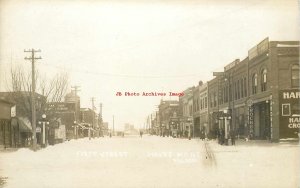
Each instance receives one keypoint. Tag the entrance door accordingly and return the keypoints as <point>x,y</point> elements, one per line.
<point>264,120</point>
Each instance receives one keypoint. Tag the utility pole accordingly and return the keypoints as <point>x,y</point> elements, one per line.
<point>93,111</point>
<point>100,119</point>
<point>151,126</point>
<point>32,58</point>
<point>113,125</point>
<point>76,89</point>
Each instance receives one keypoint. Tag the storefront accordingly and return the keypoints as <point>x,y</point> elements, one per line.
<point>6,131</point>
<point>240,123</point>
<point>259,120</point>
<point>24,131</point>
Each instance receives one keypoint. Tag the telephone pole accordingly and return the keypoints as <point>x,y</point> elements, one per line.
<point>75,89</point>
<point>93,111</point>
<point>113,124</point>
<point>93,108</point>
<point>100,120</point>
<point>32,58</point>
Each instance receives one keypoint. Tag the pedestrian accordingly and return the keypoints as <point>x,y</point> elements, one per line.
<point>202,134</point>
<point>141,134</point>
<point>232,136</point>
<point>217,135</point>
<point>222,136</point>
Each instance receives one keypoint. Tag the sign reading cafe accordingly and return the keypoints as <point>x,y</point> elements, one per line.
<point>289,101</point>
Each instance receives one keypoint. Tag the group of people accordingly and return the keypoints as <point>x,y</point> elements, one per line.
<point>223,138</point>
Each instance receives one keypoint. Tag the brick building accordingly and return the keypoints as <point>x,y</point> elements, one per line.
<point>258,97</point>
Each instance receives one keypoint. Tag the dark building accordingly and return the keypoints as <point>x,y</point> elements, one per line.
<point>61,113</point>
<point>22,118</point>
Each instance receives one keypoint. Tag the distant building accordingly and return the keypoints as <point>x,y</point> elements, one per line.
<point>168,113</point>
<point>104,128</point>
<point>130,130</point>
<point>203,108</point>
<point>186,112</point>
<point>88,117</point>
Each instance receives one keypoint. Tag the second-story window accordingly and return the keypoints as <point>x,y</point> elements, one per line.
<point>242,88</point>
<point>254,84</point>
<point>295,76</point>
<point>245,87</point>
<point>264,80</point>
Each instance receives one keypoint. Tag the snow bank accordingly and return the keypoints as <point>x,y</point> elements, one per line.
<point>151,162</point>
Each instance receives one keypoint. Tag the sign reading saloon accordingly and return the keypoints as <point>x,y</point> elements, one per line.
<point>289,101</point>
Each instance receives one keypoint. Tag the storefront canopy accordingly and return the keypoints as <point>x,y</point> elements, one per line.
<point>24,124</point>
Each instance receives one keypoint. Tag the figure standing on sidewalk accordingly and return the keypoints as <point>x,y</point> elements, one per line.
<point>232,136</point>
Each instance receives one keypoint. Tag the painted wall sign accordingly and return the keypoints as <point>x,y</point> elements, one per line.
<point>289,102</point>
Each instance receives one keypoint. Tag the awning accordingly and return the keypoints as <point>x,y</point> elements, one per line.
<point>24,124</point>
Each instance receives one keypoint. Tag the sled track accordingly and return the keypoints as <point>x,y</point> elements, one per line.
<point>209,155</point>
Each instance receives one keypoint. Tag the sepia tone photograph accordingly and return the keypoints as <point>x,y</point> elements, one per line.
<point>149,94</point>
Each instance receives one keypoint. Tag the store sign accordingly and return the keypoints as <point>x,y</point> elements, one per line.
<point>251,120</point>
<point>13,111</point>
<point>289,103</point>
<point>38,130</point>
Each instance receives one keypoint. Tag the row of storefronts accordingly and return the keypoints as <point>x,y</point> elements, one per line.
<point>55,121</point>
<point>256,98</point>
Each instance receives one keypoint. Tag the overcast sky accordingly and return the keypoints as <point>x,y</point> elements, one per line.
<point>136,46</point>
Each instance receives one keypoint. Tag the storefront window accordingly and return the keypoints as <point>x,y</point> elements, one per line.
<point>295,76</point>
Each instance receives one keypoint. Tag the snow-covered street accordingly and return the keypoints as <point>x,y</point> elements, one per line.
<point>152,161</point>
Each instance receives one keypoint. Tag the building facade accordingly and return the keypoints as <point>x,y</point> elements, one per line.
<point>203,108</point>
<point>168,113</point>
<point>9,135</point>
<point>258,97</point>
<point>186,112</point>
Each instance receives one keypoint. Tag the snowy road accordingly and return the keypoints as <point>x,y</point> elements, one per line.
<point>152,162</point>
